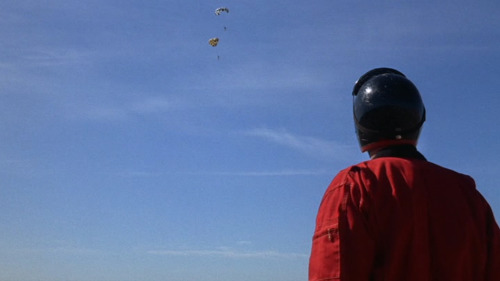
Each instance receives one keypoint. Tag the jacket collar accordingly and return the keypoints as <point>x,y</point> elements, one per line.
<point>400,151</point>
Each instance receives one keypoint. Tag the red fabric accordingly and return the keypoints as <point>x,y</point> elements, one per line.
<point>395,219</point>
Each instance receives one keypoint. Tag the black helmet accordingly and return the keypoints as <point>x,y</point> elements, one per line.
<point>387,108</point>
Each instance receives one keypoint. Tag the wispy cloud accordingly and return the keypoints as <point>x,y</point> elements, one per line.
<point>115,112</point>
<point>70,251</point>
<point>51,57</point>
<point>228,253</point>
<point>305,144</point>
<point>22,167</point>
<point>48,56</point>
<point>277,173</point>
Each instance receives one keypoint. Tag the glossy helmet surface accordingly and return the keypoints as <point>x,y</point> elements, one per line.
<point>387,108</point>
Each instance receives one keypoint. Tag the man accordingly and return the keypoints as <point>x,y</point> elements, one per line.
<point>398,217</point>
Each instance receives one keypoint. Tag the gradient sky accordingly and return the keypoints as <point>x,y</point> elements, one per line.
<point>130,152</point>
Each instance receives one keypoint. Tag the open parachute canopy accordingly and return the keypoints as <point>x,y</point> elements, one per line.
<point>213,41</point>
<point>218,11</point>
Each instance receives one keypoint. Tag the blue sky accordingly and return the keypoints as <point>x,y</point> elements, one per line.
<point>130,152</point>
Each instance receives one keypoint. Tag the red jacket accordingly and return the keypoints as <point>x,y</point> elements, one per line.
<point>396,219</point>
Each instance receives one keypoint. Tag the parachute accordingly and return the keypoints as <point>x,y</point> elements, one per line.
<point>218,11</point>
<point>213,41</point>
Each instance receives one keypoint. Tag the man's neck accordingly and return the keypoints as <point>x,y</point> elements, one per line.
<point>401,151</point>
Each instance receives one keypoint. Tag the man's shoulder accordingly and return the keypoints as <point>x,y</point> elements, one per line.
<point>419,167</point>
<point>349,174</point>
<point>373,166</point>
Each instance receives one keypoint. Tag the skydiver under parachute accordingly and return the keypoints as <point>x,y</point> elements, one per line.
<point>213,42</point>
<point>219,11</point>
